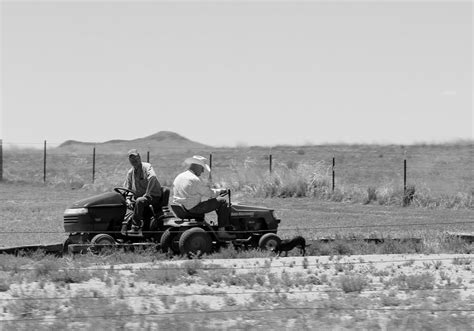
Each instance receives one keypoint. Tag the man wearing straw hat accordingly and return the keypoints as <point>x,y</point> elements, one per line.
<point>141,178</point>
<point>195,196</point>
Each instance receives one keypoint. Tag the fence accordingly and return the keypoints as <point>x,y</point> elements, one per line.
<point>268,298</point>
<point>441,169</point>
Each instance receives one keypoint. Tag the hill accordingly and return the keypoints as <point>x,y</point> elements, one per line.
<point>163,142</point>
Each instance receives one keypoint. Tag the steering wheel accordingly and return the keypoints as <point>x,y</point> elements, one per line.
<point>124,191</point>
<point>224,193</point>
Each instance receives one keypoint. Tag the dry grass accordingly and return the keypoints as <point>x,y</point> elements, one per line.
<point>277,293</point>
<point>441,174</point>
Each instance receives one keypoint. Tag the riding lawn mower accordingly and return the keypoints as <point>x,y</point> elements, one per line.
<point>97,221</point>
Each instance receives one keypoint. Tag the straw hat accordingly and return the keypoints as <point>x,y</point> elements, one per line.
<point>197,159</point>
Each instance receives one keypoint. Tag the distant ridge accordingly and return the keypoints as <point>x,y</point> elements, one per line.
<point>163,142</point>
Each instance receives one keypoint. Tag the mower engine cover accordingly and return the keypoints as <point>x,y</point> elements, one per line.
<point>251,216</point>
<point>96,213</point>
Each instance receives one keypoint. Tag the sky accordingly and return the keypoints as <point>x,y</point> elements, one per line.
<point>237,72</point>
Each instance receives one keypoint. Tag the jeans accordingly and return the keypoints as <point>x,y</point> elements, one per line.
<point>217,204</point>
<point>136,215</point>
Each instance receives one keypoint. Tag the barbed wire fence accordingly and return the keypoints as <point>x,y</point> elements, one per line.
<point>267,165</point>
<point>384,168</point>
<point>202,266</point>
<point>248,292</point>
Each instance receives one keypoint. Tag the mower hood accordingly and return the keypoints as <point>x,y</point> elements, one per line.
<point>245,208</point>
<point>108,199</point>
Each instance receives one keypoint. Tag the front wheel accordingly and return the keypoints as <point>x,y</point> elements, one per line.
<point>269,241</point>
<point>195,240</point>
<point>103,239</point>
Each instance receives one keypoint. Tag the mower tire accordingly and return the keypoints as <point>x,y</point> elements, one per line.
<point>154,230</point>
<point>195,240</point>
<point>269,241</point>
<point>103,239</point>
<point>166,241</point>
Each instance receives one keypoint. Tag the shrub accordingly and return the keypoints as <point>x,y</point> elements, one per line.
<point>46,267</point>
<point>390,300</point>
<point>353,283</point>
<point>371,195</point>
<point>5,282</point>
<point>342,247</point>
<point>421,281</point>
<point>192,267</point>
<point>70,276</point>
<point>230,301</point>
<point>408,195</point>
<point>160,276</point>
<point>462,261</point>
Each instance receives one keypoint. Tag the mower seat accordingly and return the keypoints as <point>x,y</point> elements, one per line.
<point>181,212</point>
<point>165,197</point>
<point>162,205</point>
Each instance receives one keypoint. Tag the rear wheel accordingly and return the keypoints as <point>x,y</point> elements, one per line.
<point>154,232</point>
<point>195,240</point>
<point>168,241</point>
<point>269,241</point>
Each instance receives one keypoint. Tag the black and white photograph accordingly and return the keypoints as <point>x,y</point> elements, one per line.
<point>236,165</point>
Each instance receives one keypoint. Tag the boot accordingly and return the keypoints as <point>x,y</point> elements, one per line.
<point>136,227</point>
<point>124,229</point>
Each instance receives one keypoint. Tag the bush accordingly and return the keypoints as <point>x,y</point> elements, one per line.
<point>424,281</point>
<point>46,267</point>
<point>70,276</point>
<point>192,267</point>
<point>353,283</point>
<point>5,282</point>
<point>371,195</point>
<point>160,276</point>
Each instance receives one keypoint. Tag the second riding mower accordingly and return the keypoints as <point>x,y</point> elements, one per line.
<point>97,221</point>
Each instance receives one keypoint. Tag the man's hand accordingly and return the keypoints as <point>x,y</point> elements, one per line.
<point>129,203</point>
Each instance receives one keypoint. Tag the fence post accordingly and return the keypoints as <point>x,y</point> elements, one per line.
<point>44,163</point>
<point>270,159</point>
<point>93,165</point>
<point>210,167</point>
<point>1,160</point>
<point>333,173</point>
<point>148,157</point>
<point>404,177</point>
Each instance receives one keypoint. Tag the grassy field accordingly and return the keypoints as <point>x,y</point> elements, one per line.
<point>39,208</point>
<point>359,292</point>
<point>442,175</point>
<point>332,288</point>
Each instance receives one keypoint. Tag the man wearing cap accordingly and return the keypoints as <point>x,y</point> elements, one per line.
<point>195,196</point>
<point>141,178</point>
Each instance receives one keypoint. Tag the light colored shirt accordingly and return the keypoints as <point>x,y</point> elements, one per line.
<point>143,181</point>
<point>189,190</point>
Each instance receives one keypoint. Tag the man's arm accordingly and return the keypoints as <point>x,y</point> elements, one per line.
<point>204,190</point>
<point>153,183</point>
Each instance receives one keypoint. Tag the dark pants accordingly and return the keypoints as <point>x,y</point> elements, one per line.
<point>217,204</point>
<point>136,215</point>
